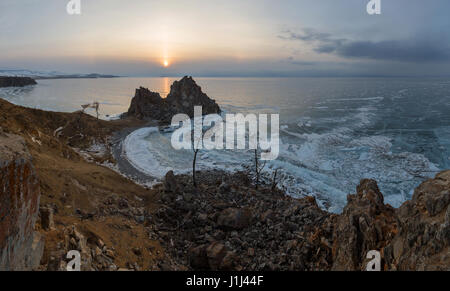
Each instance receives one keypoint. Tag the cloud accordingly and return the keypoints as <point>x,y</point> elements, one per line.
<point>308,34</point>
<point>293,61</point>
<point>412,51</point>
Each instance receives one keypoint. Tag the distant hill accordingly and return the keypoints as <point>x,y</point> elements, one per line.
<point>51,75</point>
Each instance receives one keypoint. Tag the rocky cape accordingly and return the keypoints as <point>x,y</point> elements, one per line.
<point>183,96</point>
<point>58,173</point>
<point>16,81</point>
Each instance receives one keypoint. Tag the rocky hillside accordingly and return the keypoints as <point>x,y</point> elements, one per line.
<point>83,206</point>
<point>225,224</point>
<point>16,81</point>
<point>183,96</point>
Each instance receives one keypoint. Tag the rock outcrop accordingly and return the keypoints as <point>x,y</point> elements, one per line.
<point>16,81</point>
<point>414,237</point>
<point>183,96</point>
<point>366,224</point>
<point>423,239</point>
<point>147,104</point>
<point>20,246</point>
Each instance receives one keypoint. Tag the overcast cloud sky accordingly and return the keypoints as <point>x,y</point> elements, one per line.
<point>228,38</point>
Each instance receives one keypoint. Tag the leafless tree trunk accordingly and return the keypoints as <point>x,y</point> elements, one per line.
<point>274,180</point>
<point>79,119</point>
<point>96,106</point>
<point>193,167</point>
<point>258,169</point>
<point>195,148</point>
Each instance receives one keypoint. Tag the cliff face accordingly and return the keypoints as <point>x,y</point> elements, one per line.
<point>20,246</point>
<point>183,96</point>
<point>16,81</point>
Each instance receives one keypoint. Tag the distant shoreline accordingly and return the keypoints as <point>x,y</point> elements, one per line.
<point>37,75</point>
<point>93,76</point>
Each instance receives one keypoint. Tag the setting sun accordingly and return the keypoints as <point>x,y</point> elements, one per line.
<point>166,63</point>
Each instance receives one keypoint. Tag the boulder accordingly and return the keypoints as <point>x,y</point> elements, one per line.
<point>198,258</point>
<point>216,252</point>
<point>170,182</point>
<point>224,188</point>
<point>214,256</point>
<point>234,218</point>
<point>47,222</point>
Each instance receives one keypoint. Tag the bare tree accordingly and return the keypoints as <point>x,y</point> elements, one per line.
<point>275,180</point>
<point>193,167</point>
<point>196,149</point>
<point>95,105</point>
<point>258,169</point>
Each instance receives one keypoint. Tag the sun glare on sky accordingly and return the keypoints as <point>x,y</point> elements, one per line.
<point>155,38</point>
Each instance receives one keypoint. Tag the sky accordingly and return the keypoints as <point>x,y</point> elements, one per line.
<point>227,38</point>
